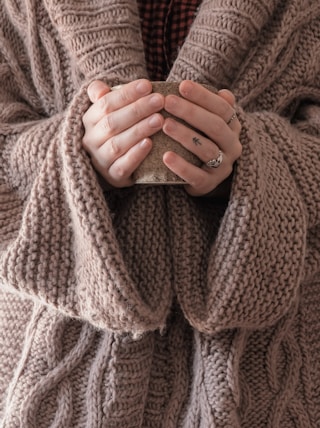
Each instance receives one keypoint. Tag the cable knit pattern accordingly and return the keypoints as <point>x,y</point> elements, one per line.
<point>145,307</point>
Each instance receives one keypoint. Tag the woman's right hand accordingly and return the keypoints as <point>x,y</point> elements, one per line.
<point>118,126</point>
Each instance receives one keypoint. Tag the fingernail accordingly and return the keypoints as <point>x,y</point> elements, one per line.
<point>187,88</point>
<point>91,91</point>
<point>156,100</point>
<point>169,125</point>
<point>155,121</point>
<point>145,143</point>
<point>143,87</point>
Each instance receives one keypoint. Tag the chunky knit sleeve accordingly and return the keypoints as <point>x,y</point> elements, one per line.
<point>245,267</point>
<point>248,273</point>
<point>61,244</point>
<point>58,242</point>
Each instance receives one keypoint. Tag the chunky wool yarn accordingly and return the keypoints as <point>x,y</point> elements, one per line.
<point>145,307</point>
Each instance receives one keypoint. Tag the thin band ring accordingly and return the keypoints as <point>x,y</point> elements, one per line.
<point>234,115</point>
<point>214,163</point>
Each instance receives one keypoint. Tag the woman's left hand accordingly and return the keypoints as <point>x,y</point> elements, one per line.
<point>213,114</point>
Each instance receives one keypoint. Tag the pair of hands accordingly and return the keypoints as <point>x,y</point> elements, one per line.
<point>119,126</point>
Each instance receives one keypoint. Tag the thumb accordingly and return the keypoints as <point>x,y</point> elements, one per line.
<point>227,96</point>
<point>96,90</point>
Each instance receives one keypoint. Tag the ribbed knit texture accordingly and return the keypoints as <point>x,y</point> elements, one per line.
<point>146,307</point>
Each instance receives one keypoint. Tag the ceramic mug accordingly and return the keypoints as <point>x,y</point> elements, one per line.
<point>152,170</point>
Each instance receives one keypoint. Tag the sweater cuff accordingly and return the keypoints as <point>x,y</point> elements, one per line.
<point>248,271</point>
<point>65,249</point>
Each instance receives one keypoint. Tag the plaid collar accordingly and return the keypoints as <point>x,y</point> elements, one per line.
<point>165,25</point>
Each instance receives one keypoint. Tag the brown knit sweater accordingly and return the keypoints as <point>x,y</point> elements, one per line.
<point>146,307</point>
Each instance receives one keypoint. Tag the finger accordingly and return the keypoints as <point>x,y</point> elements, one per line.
<point>120,144</point>
<point>118,121</point>
<point>213,102</point>
<point>209,123</point>
<point>199,181</point>
<point>194,142</point>
<point>120,172</point>
<point>228,96</point>
<point>221,103</point>
<point>96,90</point>
<point>115,99</point>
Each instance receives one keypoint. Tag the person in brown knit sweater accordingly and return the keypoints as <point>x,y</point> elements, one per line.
<point>130,305</point>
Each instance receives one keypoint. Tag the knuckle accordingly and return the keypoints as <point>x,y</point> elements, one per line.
<point>124,96</point>
<point>120,171</point>
<point>139,131</point>
<point>103,104</point>
<point>136,110</point>
<point>197,182</point>
<point>108,123</point>
<point>218,128</point>
<point>114,148</point>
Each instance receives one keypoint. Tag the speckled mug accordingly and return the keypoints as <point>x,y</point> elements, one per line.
<point>152,170</point>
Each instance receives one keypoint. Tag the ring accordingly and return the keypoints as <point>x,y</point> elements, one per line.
<point>234,115</point>
<point>214,163</point>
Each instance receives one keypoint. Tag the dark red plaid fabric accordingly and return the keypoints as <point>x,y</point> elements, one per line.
<point>165,25</point>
